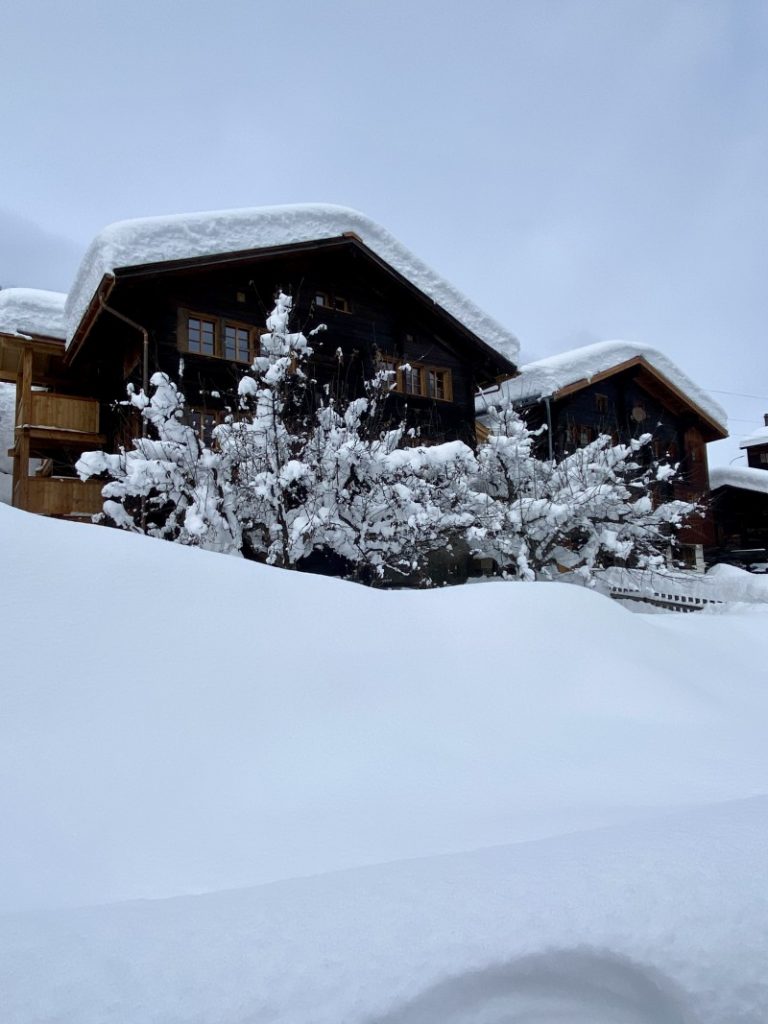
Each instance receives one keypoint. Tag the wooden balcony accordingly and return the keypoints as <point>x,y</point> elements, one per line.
<point>45,411</point>
<point>62,496</point>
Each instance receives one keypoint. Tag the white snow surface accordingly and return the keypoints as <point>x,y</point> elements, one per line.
<point>187,236</point>
<point>544,377</point>
<point>759,437</point>
<point>571,798</point>
<point>32,311</point>
<point>746,478</point>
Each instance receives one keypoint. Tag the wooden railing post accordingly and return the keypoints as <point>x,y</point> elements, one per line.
<point>20,493</point>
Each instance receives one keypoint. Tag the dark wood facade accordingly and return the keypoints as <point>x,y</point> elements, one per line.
<point>740,519</point>
<point>199,321</point>
<point>371,316</point>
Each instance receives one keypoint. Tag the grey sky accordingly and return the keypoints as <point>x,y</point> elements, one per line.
<point>584,170</point>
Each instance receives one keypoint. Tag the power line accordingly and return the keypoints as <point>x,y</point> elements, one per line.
<point>738,394</point>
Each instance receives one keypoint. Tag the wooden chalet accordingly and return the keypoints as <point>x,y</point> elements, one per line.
<point>739,498</point>
<point>189,296</point>
<point>624,390</point>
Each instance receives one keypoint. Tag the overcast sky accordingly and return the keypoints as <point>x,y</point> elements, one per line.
<point>583,169</point>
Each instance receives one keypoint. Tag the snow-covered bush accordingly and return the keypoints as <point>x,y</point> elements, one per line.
<point>299,477</point>
<point>292,473</point>
<point>599,505</point>
<point>169,485</point>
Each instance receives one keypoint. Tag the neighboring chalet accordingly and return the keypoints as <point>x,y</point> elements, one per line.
<point>625,390</point>
<point>740,505</point>
<point>189,295</point>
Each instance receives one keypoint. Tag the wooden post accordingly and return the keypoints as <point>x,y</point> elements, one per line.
<point>20,496</point>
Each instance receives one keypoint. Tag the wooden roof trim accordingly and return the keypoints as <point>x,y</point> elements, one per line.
<point>629,364</point>
<point>106,285</point>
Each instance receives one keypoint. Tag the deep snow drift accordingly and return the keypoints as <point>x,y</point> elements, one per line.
<point>178,722</point>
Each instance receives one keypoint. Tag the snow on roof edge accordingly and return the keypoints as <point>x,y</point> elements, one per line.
<point>544,377</point>
<point>189,236</point>
<point>745,478</point>
<point>760,436</point>
<point>32,311</point>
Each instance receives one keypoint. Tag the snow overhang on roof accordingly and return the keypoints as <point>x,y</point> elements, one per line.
<point>546,377</point>
<point>32,311</point>
<point>155,240</point>
<point>745,478</point>
<point>759,437</point>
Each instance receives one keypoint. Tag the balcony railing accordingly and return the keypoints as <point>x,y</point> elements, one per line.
<point>63,496</point>
<point>60,412</point>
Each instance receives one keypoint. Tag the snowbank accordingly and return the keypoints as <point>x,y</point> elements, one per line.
<point>178,722</point>
<point>186,236</point>
<point>658,923</point>
<point>546,376</point>
<point>32,311</point>
<point>745,478</point>
<point>759,437</point>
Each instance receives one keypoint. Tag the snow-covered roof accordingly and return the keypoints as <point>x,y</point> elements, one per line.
<point>759,437</point>
<point>746,478</point>
<point>547,376</point>
<point>133,243</point>
<point>32,311</point>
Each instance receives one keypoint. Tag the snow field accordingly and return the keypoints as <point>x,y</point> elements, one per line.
<point>178,722</point>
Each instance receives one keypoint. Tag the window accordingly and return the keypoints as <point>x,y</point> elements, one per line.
<point>434,382</point>
<point>411,379</point>
<point>601,403</point>
<point>218,337</point>
<point>437,384</point>
<point>764,458</point>
<point>324,300</point>
<point>203,423</point>
<point>237,343</point>
<point>201,335</point>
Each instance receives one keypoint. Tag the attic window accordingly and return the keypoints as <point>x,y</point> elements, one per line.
<point>324,300</point>
<point>601,403</point>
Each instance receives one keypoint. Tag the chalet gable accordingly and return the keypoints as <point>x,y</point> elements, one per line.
<point>165,244</point>
<point>568,373</point>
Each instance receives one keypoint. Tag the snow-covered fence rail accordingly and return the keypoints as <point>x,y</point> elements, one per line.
<point>672,602</point>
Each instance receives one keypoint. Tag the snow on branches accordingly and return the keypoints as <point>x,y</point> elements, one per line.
<point>294,474</point>
<point>600,505</point>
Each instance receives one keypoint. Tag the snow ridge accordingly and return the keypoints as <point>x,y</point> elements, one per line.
<point>759,437</point>
<point>32,311</point>
<point>187,236</point>
<point>746,478</point>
